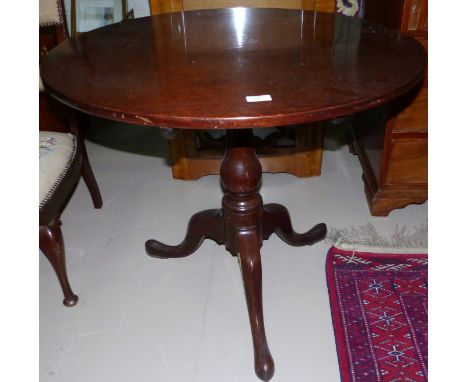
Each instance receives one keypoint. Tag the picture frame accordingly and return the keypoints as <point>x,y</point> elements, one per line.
<point>87,15</point>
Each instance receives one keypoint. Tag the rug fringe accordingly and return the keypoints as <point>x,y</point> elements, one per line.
<point>366,238</point>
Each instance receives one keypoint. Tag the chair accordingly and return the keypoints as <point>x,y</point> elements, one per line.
<point>63,156</point>
<point>296,150</point>
<point>54,116</point>
<point>59,171</point>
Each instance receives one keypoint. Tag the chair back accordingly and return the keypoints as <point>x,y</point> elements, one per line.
<point>52,25</point>
<point>52,31</point>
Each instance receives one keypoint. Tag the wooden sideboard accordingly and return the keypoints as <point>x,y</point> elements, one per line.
<point>392,141</point>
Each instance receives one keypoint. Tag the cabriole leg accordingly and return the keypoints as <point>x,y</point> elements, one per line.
<point>251,268</point>
<point>51,244</point>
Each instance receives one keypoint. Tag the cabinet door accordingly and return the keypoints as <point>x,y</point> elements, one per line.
<point>413,117</point>
<point>408,162</point>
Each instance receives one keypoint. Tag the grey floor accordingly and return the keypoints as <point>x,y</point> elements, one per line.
<point>144,319</point>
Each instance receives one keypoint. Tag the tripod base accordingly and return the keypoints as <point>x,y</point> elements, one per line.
<point>241,225</point>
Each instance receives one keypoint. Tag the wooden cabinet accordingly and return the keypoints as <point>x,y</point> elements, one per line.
<point>392,141</point>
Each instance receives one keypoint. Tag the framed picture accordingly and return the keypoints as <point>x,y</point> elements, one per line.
<point>91,14</point>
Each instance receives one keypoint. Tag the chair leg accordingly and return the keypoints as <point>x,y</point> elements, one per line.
<point>78,122</point>
<point>88,176</point>
<point>51,244</point>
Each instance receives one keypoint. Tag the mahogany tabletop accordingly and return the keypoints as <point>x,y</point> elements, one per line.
<point>195,69</point>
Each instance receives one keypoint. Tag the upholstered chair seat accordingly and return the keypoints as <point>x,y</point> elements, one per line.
<point>58,155</point>
<point>59,172</point>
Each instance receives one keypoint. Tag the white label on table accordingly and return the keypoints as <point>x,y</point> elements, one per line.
<point>259,98</point>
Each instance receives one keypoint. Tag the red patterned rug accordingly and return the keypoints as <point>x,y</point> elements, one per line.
<point>379,311</point>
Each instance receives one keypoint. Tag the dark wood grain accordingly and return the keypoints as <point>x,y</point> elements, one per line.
<point>392,148</point>
<point>241,225</point>
<point>164,71</point>
<point>251,268</point>
<point>166,6</point>
<point>194,70</point>
<point>77,123</point>
<point>51,244</point>
<point>276,219</point>
<point>203,225</point>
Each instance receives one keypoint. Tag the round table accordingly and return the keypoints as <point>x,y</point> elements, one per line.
<point>235,69</point>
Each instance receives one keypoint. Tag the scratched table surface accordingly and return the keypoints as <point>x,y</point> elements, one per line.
<point>195,69</point>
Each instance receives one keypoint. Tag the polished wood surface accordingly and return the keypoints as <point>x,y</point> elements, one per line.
<point>190,156</point>
<point>241,225</point>
<point>394,163</point>
<point>166,6</point>
<point>195,69</point>
<point>77,122</point>
<point>51,244</point>
<point>164,71</point>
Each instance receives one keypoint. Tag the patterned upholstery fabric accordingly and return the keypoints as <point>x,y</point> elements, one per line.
<point>56,153</point>
<point>50,12</point>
